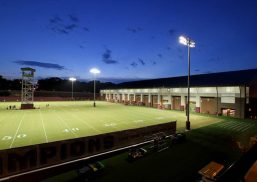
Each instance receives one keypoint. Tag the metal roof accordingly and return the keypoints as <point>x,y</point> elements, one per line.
<point>231,78</point>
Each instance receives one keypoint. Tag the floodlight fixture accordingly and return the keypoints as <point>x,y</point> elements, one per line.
<point>72,79</point>
<point>95,71</point>
<point>186,41</point>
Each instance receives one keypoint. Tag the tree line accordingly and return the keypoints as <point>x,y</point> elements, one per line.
<point>55,84</point>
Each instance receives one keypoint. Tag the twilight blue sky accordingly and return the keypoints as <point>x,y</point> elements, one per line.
<point>126,39</point>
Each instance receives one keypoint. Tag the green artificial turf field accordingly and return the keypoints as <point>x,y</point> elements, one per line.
<point>65,120</point>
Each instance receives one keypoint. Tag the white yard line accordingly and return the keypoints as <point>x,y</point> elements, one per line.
<point>17,130</point>
<point>236,126</point>
<point>138,121</point>
<point>224,124</point>
<point>74,116</point>
<point>42,121</point>
<point>65,123</point>
<point>245,127</point>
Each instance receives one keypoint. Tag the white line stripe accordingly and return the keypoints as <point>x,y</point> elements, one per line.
<point>246,126</point>
<point>246,129</point>
<point>241,126</point>
<point>65,123</point>
<point>231,125</point>
<point>17,130</point>
<point>236,126</point>
<point>74,116</point>
<point>42,121</point>
<point>223,124</point>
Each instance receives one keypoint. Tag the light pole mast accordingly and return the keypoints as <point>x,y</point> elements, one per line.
<point>190,44</point>
<point>94,71</point>
<point>72,79</point>
<point>94,90</point>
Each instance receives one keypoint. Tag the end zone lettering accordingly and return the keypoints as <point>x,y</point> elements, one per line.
<point>27,158</point>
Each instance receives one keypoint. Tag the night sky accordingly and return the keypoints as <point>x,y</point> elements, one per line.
<point>126,39</point>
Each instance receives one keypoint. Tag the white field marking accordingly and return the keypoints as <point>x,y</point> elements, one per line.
<point>138,121</point>
<point>17,130</point>
<point>246,129</point>
<point>42,121</point>
<point>224,124</point>
<point>75,129</point>
<point>159,118</point>
<point>236,125</point>
<point>66,130</point>
<point>74,116</point>
<point>7,138</point>
<point>241,126</point>
<point>67,125</point>
<point>72,129</point>
<point>228,125</point>
<point>237,128</point>
<point>21,135</point>
<point>110,124</point>
<point>246,126</point>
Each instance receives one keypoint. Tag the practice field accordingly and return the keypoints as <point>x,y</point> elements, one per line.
<point>66,120</point>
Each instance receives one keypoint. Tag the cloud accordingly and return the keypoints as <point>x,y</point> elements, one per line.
<point>141,61</point>
<point>86,29</point>
<point>107,57</point>
<point>70,27</point>
<point>171,31</point>
<point>134,64</point>
<point>81,47</point>
<point>63,31</point>
<point>73,18</point>
<point>134,30</point>
<point>58,25</point>
<point>40,64</point>
<point>55,19</point>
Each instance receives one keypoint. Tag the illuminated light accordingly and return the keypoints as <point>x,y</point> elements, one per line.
<point>228,89</point>
<point>95,71</point>
<point>72,79</point>
<point>183,40</point>
<point>186,41</point>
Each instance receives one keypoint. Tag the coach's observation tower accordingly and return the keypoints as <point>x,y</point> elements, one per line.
<point>27,90</point>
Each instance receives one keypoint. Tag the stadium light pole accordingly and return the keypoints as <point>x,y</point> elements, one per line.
<point>190,44</point>
<point>72,79</point>
<point>94,71</point>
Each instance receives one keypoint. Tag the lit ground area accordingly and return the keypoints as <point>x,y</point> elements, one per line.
<point>215,142</point>
<point>65,120</point>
